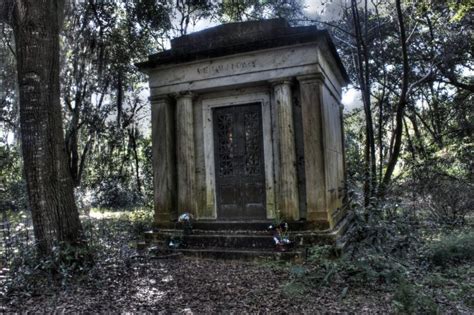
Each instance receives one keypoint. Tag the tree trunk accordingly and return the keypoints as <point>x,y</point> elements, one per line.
<point>36,25</point>
<point>133,132</point>
<point>392,162</point>
<point>364,83</point>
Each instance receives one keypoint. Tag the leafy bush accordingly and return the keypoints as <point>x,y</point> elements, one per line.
<point>112,193</point>
<point>444,190</point>
<point>408,300</point>
<point>448,201</point>
<point>30,274</point>
<point>364,270</point>
<point>141,220</point>
<point>452,249</point>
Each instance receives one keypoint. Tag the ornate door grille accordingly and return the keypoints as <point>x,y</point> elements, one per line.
<point>238,150</point>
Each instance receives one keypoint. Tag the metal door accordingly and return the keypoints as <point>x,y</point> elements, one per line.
<point>239,162</point>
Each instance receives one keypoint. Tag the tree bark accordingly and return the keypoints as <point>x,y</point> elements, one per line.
<point>402,102</point>
<point>36,25</point>
<point>364,83</point>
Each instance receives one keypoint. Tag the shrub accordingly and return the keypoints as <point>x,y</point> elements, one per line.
<point>112,193</point>
<point>141,220</point>
<point>31,274</point>
<point>409,300</point>
<point>452,249</point>
<point>449,201</point>
<point>447,196</point>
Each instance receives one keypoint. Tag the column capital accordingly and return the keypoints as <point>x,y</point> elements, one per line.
<point>185,95</point>
<point>315,77</point>
<point>281,81</point>
<point>160,98</point>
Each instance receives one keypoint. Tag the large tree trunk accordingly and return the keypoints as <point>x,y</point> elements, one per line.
<point>36,25</point>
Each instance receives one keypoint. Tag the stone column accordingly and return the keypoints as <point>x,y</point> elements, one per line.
<point>163,151</point>
<point>185,153</point>
<point>288,182</point>
<point>313,141</point>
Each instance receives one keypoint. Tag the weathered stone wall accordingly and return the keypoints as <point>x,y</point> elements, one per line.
<point>300,90</point>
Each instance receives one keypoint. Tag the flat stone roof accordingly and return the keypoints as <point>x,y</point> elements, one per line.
<point>234,38</point>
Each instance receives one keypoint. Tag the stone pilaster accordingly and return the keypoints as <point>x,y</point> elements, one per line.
<point>185,153</point>
<point>288,181</point>
<point>163,152</point>
<point>313,141</point>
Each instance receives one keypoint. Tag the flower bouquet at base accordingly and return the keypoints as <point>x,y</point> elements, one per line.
<point>185,227</point>
<point>281,236</point>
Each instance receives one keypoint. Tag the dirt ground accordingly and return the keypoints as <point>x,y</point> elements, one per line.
<point>190,285</point>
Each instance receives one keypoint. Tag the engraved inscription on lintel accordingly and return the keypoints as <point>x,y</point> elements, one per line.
<point>226,67</point>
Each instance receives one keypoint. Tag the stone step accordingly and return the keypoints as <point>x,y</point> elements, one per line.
<point>243,225</point>
<point>262,240</point>
<point>230,241</point>
<point>214,240</point>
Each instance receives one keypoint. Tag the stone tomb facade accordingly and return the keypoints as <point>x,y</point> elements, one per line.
<point>247,125</point>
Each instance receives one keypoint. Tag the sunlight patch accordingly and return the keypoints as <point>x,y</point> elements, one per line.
<point>167,279</point>
<point>147,294</point>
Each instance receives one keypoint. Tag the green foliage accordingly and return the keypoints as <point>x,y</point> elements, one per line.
<point>455,281</point>
<point>231,11</point>
<point>141,220</point>
<point>31,273</point>
<point>374,268</point>
<point>443,185</point>
<point>107,234</point>
<point>408,300</point>
<point>294,289</point>
<point>353,141</point>
<point>460,9</point>
<point>387,244</point>
<point>112,193</point>
<point>12,185</point>
<point>452,249</point>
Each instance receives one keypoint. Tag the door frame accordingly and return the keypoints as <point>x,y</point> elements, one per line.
<point>207,105</point>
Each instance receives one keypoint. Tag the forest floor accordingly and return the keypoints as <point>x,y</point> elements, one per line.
<point>120,281</point>
<point>194,286</point>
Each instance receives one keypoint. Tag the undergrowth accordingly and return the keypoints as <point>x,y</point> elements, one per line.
<point>452,249</point>
<point>393,257</point>
<point>107,235</point>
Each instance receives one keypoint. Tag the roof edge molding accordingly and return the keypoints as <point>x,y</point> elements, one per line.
<point>234,38</point>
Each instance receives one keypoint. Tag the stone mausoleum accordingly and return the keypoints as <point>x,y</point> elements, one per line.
<point>247,126</point>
